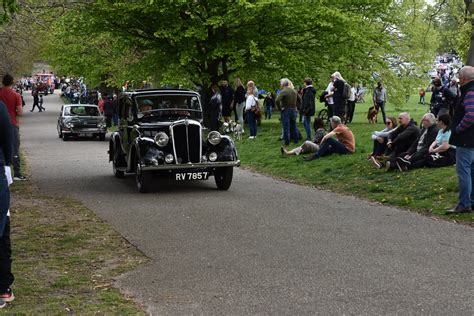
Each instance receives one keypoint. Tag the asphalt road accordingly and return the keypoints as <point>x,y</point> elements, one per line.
<point>263,247</point>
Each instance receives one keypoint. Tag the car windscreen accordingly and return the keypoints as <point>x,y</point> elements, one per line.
<point>81,111</point>
<point>168,106</point>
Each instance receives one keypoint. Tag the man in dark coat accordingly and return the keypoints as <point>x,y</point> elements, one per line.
<point>227,97</point>
<point>400,140</point>
<point>419,148</point>
<point>462,136</point>
<point>108,110</point>
<point>308,107</point>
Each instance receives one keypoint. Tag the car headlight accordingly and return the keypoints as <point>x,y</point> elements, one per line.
<point>69,125</point>
<point>101,125</point>
<point>161,139</point>
<point>214,138</point>
<point>212,157</point>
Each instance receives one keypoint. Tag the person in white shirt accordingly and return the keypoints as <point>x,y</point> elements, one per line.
<point>251,109</point>
<point>329,98</point>
<point>351,102</point>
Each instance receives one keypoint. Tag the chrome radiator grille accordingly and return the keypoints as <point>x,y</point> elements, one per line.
<point>186,137</point>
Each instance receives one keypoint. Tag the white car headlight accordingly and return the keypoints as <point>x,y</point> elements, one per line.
<point>214,138</point>
<point>161,139</point>
<point>101,125</point>
<point>69,125</point>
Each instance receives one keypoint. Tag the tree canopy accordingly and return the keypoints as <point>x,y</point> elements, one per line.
<point>199,42</point>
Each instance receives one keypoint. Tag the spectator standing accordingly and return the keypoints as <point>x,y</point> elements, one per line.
<point>250,110</point>
<point>215,106</point>
<point>108,110</point>
<point>308,107</point>
<point>239,101</point>
<point>269,104</point>
<point>343,144</point>
<point>115,107</point>
<point>462,136</point>
<point>338,95</point>
<point>6,138</point>
<point>14,106</point>
<point>351,102</point>
<point>422,94</point>
<point>286,102</point>
<point>380,98</point>
<point>329,97</point>
<point>227,95</point>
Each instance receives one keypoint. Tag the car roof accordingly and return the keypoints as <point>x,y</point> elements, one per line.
<point>161,91</point>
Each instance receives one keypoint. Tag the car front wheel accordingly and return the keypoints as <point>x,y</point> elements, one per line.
<point>223,177</point>
<point>142,178</point>
<point>117,173</point>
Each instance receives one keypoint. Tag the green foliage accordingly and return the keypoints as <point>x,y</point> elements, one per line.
<point>7,8</point>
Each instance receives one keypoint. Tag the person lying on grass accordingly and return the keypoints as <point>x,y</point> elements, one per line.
<point>308,147</point>
<point>343,144</point>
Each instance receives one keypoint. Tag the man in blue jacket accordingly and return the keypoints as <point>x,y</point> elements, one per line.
<point>462,136</point>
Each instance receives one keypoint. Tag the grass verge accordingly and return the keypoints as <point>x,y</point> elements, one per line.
<point>427,191</point>
<point>65,258</point>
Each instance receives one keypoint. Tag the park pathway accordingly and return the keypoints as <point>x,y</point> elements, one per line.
<point>263,247</point>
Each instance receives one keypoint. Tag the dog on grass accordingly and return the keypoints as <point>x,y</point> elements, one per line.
<point>238,131</point>
<point>372,114</point>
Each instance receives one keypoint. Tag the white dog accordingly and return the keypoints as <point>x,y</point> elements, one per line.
<point>238,131</point>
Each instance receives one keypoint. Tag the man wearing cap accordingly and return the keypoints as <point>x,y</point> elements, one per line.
<point>462,136</point>
<point>343,143</point>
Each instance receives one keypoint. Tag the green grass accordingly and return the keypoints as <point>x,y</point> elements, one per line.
<point>428,191</point>
<point>65,258</point>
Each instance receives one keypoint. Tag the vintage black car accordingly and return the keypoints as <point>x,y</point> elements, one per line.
<point>161,133</point>
<point>76,120</point>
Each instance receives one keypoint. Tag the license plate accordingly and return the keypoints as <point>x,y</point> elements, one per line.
<point>185,176</point>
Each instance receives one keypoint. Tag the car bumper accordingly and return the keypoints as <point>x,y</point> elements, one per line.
<point>86,131</point>
<point>204,165</point>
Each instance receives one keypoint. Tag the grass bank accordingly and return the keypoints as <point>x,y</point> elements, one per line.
<point>65,258</point>
<point>428,191</point>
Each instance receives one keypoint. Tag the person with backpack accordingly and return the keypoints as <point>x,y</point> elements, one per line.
<point>380,98</point>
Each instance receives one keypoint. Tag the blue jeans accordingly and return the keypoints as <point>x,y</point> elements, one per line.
<point>252,121</point>
<point>288,120</point>
<point>331,146</point>
<point>381,107</point>
<point>307,126</point>
<point>465,171</point>
<point>268,112</point>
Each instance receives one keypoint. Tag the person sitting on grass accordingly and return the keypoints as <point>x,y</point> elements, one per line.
<point>419,148</point>
<point>380,138</point>
<point>309,146</point>
<point>440,152</point>
<point>401,139</point>
<point>343,144</point>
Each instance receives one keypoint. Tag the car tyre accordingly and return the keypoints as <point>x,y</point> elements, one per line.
<point>142,178</point>
<point>60,134</point>
<point>102,136</point>
<point>223,177</point>
<point>117,173</point>
<point>65,137</point>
